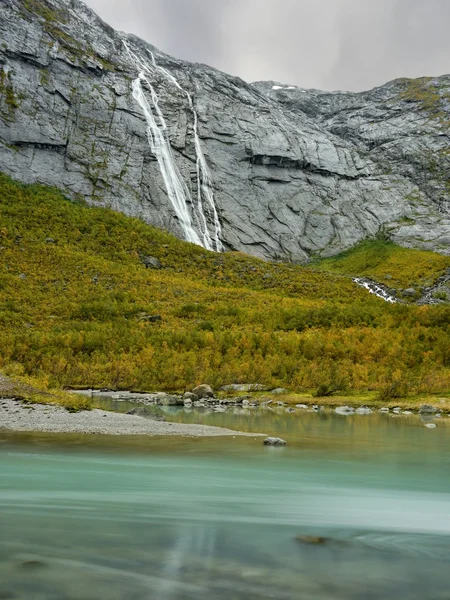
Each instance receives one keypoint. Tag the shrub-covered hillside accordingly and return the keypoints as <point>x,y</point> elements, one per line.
<point>396,267</point>
<point>79,308</point>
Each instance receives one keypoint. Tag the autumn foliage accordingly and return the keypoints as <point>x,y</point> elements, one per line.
<point>75,302</point>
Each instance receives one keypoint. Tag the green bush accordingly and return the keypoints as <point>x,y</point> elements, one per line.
<point>76,318</point>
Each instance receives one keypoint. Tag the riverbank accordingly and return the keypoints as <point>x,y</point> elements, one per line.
<point>35,391</point>
<point>50,418</point>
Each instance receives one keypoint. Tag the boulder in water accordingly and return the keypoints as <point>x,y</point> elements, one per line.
<point>311,539</point>
<point>170,400</point>
<point>274,441</point>
<point>427,409</point>
<point>344,410</point>
<point>143,411</point>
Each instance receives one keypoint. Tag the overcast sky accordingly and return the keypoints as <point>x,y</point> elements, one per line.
<point>327,44</point>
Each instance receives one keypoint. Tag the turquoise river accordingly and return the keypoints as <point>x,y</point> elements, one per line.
<point>109,518</point>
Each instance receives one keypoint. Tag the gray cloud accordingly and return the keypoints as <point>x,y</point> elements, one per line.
<point>328,44</point>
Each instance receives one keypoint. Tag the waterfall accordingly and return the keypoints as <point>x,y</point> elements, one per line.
<point>376,289</point>
<point>176,188</point>
<point>159,143</point>
<point>204,181</point>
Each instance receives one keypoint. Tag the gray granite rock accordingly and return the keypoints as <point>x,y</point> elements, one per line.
<point>203,391</point>
<point>170,400</point>
<point>294,173</point>
<point>410,292</point>
<point>151,262</point>
<point>274,441</point>
<point>427,409</point>
<point>244,387</point>
<point>344,410</point>
<point>403,128</point>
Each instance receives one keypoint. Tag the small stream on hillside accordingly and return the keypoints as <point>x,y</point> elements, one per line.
<point>97,517</point>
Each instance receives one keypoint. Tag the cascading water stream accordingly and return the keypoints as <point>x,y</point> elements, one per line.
<point>376,289</point>
<point>176,189</point>
<point>204,181</point>
<point>159,142</point>
<point>205,184</point>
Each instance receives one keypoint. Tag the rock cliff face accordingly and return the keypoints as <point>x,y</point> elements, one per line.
<point>271,170</point>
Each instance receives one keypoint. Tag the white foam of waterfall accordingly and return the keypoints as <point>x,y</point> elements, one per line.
<point>205,185</point>
<point>159,142</point>
<point>376,289</point>
<point>160,146</point>
<point>204,180</point>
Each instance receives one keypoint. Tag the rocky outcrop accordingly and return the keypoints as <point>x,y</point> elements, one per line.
<point>403,127</point>
<point>278,173</point>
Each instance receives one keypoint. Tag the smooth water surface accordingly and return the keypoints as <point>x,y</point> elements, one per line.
<point>94,517</point>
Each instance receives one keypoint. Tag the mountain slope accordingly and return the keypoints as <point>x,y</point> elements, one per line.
<point>404,127</point>
<point>78,307</point>
<point>227,163</point>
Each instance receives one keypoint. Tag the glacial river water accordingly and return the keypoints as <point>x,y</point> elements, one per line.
<point>101,518</point>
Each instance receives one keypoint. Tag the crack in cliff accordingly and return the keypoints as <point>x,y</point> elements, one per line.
<point>286,162</point>
<point>56,147</point>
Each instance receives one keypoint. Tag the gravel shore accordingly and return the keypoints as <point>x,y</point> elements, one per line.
<point>15,416</point>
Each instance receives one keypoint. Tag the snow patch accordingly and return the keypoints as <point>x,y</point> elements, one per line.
<point>280,87</point>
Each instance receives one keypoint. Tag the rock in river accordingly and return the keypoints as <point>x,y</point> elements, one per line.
<point>344,410</point>
<point>311,539</point>
<point>273,441</point>
<point>143,411</point>
<point>427,409</point>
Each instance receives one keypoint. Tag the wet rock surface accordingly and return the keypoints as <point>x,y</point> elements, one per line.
<point>427,409</point>
<point>311,539</point>
<point>143,411</point>
<point>274,441</point>
<point>294,172</point>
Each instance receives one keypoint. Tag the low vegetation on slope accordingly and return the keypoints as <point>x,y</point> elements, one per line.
<point>387,263</point>
<point>79,308</point>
